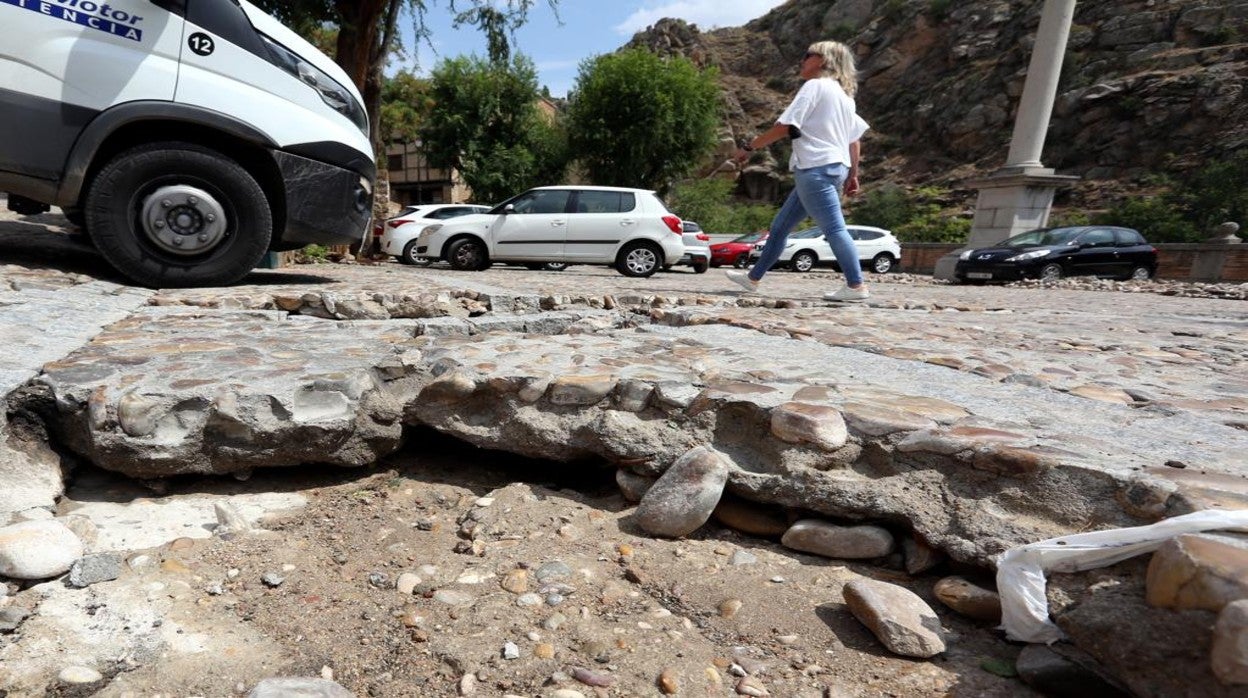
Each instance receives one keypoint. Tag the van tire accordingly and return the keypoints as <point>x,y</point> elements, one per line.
<point>125,198</point>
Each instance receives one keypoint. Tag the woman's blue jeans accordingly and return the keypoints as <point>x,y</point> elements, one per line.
<point>818,194</point>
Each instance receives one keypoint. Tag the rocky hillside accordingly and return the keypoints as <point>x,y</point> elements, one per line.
<point>1147,86</point>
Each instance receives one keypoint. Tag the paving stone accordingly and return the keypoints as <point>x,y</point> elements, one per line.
<point>1204,571</point>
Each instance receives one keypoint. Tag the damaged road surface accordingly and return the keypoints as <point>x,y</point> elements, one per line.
<point>823,487</point>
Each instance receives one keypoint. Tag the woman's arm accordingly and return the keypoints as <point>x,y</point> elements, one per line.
<point>762,140</point>
<point>851,182</point>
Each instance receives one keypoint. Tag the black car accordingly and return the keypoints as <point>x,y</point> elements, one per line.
<point>1051,253</point>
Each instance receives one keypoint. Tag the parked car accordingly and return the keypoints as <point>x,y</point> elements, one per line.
<point>736,252</point>
<point>697,248</point>
<point>878,250</point>
<point>1051,253</point>
<point>398,235</point>
<point>629,229</point>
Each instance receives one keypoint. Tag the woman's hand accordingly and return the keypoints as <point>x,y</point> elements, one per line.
<point>851,184</point>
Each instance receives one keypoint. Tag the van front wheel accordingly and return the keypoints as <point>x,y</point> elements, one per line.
<point>174,215</point>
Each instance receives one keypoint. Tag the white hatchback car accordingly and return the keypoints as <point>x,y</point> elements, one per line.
<point>878,250</point>
<point>398,235</point>
<point>629,229</point>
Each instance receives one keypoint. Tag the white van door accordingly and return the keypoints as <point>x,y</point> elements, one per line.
<point>64,61</point>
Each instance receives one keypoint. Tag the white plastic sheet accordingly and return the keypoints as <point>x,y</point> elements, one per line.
<point>1020,571</point>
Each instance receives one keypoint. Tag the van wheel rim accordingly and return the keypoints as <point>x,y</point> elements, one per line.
<point>183,220</point>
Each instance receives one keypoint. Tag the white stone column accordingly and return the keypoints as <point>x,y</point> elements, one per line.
<point>1018,197</point>
<point>1040,89</point>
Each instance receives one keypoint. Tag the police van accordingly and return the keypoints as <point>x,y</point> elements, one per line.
<point>189,137</point>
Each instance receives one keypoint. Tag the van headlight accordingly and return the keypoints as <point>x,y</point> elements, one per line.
<point>332,93</point>
<point>1034,254</point>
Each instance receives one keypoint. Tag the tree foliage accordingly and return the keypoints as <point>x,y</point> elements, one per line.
<point>639,120</point>
<point>405,99</point>
<point>710,203</point>
<point>367,32</point>
<point>485,123</point>
<point>1189,209</point>
<point>921,216</point>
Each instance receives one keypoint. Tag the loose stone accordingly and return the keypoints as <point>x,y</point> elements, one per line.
<point>1198,571</point>
<point>406,583</point>
<point>968,599</point>
<point>845,542</point>
<point>511,650</point>
<point>37,549</point>
<point>1229,657</point>
<point>797,422</point>
<point>553,571</point>
<point>686,494</point>
<point>896,616</point>
<point>79,675</point>
<point>592,678</point>
<point>516,581</point>
<point>11,617</point>
<point>742,557</point>
<point>93,569</point>
<point>272,579</point>
<point>750,686</point>
<point>302,687</point>
<point>919,557</point>
<point>729,607</point>
<point>544,650</point>
<point>669,682</point>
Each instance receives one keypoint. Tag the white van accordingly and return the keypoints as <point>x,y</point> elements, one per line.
<point>190,137</point>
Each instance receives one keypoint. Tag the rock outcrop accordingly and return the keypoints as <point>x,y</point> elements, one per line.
<point>1146,86</point>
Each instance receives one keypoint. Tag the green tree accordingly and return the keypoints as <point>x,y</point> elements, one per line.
<point>1214,194</point>
<point>887,206</point>
<point>710,203</point>
<point>405,99</point>
<point>485,123</point>
<point>639,120</point>
<point>367,32</point>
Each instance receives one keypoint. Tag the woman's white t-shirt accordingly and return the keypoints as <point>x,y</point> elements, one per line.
<point>828,120</point>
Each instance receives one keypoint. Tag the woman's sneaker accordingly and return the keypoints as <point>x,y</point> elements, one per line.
<point>848,295</point>
<point>743,280</point>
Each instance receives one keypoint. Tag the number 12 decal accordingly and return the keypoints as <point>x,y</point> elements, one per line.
<point>201,43</point>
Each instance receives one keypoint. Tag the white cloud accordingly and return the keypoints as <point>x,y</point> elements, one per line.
<point>707,14</point>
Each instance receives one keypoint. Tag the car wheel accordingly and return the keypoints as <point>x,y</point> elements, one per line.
<point>409,256</point>
<point>1140,273</point>
<point>174,214</point>
<point>701,267</point>
<point>1051,272</point>
<point>468,254</point>
<point>803,261</point>
<point>882,263</point>
<point>639,259</point>
<point>554,266</point>
<point>742,261</point>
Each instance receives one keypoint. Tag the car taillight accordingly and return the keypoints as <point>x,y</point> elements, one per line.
<point>704,237</point>
<point>673,223</point>
<point>395,223</point>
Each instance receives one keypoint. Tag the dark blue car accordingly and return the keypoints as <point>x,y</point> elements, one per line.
<point>1051,253</point>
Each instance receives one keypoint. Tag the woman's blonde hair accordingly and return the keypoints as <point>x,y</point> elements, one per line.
<point>838,64</point>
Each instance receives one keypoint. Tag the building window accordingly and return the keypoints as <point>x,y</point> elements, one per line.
<point>394,162</point>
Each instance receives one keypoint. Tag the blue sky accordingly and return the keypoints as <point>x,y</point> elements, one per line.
<point>589,28</point>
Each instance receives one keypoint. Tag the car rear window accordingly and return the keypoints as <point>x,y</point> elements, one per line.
<point>591,201</point>
<point>1129,237</point>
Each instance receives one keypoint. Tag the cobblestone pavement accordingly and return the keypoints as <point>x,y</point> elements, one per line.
<point>972,417</point>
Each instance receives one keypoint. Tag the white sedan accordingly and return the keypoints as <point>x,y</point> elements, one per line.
<point>878,250</point>
<point>398,235</point>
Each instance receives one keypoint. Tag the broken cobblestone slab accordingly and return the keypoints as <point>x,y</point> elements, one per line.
<point>172,391</point>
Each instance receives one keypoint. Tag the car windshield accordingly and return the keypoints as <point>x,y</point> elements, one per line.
<point>1048,236</point>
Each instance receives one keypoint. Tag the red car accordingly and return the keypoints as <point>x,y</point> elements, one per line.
<point>736,252</point>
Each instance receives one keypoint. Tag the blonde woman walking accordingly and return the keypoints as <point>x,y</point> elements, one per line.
<point>823,122</point>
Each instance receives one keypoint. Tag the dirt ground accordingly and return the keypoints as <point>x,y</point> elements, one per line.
<point>314,594</point>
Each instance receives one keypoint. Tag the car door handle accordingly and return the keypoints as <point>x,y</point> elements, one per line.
<point>628,221</point>
<point>558,224</point>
